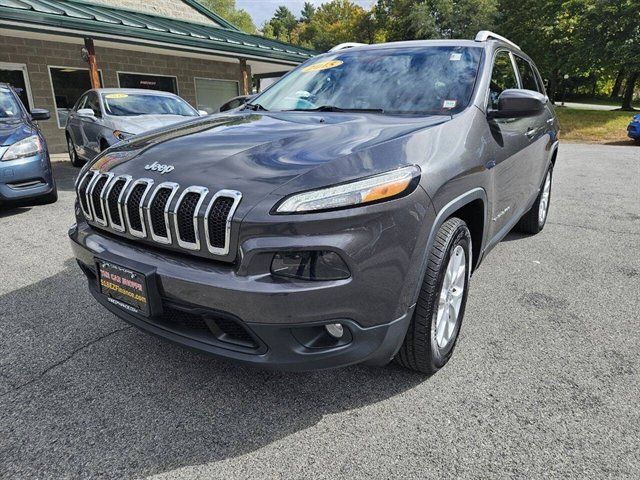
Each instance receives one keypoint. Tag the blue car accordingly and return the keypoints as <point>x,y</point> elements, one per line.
<point>25,169</point>
<point>633,130</point>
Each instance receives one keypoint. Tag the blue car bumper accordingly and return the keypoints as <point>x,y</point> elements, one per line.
<point>26,179</point>
<point>633,130</point>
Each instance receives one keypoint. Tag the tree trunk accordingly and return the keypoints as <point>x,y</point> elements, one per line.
<point>615,93</point>
<point>628,91</point>
<point>551,93</point>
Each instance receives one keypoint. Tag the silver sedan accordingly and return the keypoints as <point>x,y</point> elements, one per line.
<point>103,117</point>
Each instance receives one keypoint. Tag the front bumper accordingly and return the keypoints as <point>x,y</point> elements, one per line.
<point>633,130</point>
<point>282,319</point>
<point>25,179</point>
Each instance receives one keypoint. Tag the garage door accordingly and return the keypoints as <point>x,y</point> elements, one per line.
<point>211,94</point>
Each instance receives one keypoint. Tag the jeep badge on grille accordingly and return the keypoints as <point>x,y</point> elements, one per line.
<point>157,167</point>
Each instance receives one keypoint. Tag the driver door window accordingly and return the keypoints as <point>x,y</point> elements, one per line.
<point>94,104</point>
<point>503,77</point>
<point>81,103</point>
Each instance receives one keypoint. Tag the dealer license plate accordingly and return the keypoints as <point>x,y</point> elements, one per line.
<point>124,287</point>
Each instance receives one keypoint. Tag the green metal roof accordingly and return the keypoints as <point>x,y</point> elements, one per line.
<point>90,19</point>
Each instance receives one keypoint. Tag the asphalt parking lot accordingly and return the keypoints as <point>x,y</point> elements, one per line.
<point>545,380</point>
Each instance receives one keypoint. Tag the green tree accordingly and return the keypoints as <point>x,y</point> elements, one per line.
<point>281,25</point>
<point>421,19</point>
<point>227,10</point>
<point>307,13</point>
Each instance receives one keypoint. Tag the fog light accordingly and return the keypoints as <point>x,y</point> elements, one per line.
<point>335,330</point>
<point>310,265</point>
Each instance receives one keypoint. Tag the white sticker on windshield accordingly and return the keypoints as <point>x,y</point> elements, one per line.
<point>449,104</point>
<point>455,57</point>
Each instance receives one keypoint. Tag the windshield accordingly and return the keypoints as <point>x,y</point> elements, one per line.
<point>427,80</point>
<point>131,104</point>
<point>9,107</point>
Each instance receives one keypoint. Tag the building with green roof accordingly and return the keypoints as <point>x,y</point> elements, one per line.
<point>172,45</point>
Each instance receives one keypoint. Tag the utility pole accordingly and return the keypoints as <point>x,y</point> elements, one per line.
<point>93,64</point>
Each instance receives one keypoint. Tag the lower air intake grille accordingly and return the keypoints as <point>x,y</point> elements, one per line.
<point>208,324</point>
<point>217,221</point>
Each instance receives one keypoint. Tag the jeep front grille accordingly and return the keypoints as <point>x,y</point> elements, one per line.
<point>184,218</point>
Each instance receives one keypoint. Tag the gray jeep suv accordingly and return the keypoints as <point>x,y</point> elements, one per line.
<point>336,218</point>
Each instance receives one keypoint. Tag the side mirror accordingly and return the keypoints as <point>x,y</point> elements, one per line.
<point>203,113</point>
<point>86,113</point>
<point>515,103</point>
<point>40,114</point>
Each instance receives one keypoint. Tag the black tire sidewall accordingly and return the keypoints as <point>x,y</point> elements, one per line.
<point>462,237</point>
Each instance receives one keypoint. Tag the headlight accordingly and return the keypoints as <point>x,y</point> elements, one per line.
<point>120,135</point>
<point>27,147</point>
<point>372,189</point>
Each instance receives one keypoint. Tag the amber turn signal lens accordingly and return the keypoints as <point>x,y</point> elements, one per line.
<point>386,191</point>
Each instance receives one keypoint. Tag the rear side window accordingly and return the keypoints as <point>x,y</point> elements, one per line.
<point>527,75</point>
<point>503,77</point>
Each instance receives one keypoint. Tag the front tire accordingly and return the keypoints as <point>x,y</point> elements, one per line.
<point>434,328</point>
<point>73,156</point>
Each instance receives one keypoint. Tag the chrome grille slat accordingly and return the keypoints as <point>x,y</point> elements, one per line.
<point>95,197</point>
<point>142,185</point>
<point>118,193</point>
<point>162,204</point>
<point>235,196</point>
<point>182,228</point>
<point>83,191</point>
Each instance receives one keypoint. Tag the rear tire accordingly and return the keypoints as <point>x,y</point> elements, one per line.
<point>434,328</point>
<point>73,156</point>
<point>535,219</point>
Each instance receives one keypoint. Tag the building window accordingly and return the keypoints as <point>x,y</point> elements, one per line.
<point>68,86</point>
<point>149,82</point>
<point>211,94</point>
<point>16,75</point>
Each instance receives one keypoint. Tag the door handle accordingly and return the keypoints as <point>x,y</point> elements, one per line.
<point>531,132</point>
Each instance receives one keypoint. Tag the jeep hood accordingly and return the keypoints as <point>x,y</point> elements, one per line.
<point>258,153</point>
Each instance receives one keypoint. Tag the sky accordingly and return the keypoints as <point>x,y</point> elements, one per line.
<point>262,10</point>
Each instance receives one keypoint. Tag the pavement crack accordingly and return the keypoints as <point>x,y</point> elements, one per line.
<point>65,360</point>
<point>593,229</point>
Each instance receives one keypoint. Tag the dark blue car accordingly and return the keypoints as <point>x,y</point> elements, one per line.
<point>25,168</point>
<point>633,130</point>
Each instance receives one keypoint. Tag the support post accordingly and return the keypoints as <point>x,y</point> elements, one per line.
<point>244,70</point>
<point>93,64</point>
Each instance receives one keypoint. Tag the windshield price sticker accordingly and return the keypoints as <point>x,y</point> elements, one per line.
<point>116,95</point>
<point>316,67</point>
<point>455,57</point>
<point>448,104</point>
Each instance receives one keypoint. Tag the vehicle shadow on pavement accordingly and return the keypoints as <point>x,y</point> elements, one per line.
<point>82,394</point>
<point>6,212</point>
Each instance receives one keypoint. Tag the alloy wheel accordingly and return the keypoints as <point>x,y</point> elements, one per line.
<point>451,295</point>
<point>544,199</point>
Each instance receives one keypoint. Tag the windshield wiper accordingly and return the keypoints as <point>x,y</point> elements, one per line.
<point>333,108</point>
<point>255,107</point>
